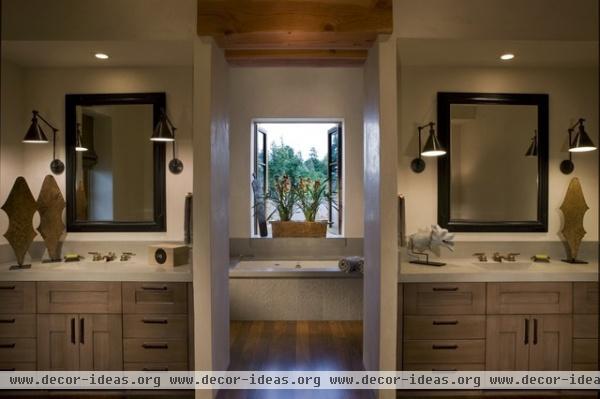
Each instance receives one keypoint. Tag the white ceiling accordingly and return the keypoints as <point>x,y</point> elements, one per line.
<point>81,53</point>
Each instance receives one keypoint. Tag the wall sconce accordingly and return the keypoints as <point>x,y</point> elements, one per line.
<point>35,135</point>
<point>432,148</point>
<point>532,151</point>
<point>79,147</point>
<point>165,131</point>
<point>580,143</point>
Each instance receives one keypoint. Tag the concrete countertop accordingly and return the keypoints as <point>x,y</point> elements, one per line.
<point>96,271</point>
<point>468,270</point>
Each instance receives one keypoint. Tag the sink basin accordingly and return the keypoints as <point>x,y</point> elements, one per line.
<point>503,266</point>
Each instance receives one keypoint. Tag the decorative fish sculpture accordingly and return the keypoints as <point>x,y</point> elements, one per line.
<point>431,240</point>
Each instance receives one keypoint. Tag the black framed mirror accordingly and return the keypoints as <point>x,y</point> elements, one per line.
<point>115,176</point>
<point>494,177</point>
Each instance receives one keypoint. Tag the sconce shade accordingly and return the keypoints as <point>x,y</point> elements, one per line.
<point>432,147</point>
<point>532,151</point>
<point>162,131</point>
<point>582,142</point>
<point>35,134</point>
<point>79,147</point>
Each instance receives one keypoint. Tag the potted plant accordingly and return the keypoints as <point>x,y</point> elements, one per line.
<point>311,195</point>
<point>283,198</point>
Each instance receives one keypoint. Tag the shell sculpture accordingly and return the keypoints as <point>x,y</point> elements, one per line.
<point>573,208</point>
<point>431,240</point>
<point>20,207</point>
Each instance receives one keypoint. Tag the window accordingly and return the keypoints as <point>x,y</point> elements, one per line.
<point>303,149</point>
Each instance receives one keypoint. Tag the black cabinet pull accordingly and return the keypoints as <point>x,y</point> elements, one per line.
<point>73,330</point>
<point>8,346</point>
<point>7,321</point>
<point>444,369</point>
<point>450,347</point>
<point>445,322</point>
<point>155,369</point>
<point>155,346</point>
<point>155,321</point>
<point>535,331</point>
<point>7,287</point>
<point>11,369</point>
<point>153,288</point>
<point>445,288</point>
<point>526,338</point>
<point>82,331</point>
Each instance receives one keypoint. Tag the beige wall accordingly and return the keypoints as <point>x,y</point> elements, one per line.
<point>295,93</point>
<point>45,89</point>
<point>573,94</point>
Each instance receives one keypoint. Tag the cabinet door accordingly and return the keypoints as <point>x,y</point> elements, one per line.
<point>507,343</point>
<point>550,345</point>
<point>58,346</point>
<point>101,342</point>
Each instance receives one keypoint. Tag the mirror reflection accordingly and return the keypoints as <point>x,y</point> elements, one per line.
<point>114,177</point>
<point>491,177</point>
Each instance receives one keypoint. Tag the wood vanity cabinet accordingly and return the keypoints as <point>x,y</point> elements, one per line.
<point>585,327</point>
<point>18,337</point>
<point>444,326</point>
<point>529,326</point>
<point>79,326</point>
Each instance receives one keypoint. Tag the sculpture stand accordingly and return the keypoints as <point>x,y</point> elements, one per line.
<point>575,261</point>
<point>20,267</point>
<point>51,260</point>
<point>426,262</point>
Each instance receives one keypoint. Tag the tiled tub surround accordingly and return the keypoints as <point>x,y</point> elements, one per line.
<point>278,290</point>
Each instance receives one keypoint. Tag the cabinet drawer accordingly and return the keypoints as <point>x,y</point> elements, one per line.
<point>143,350</point>
<point>585,326</point>
<point>155,326</point>
<point>79,297</point>
<point>17,366</point>
<point>156,366</point>
<point>585,351</point>
<point>444,327</point>
<point>17,297</point>
<point>22,349</point>
<point>444,367</point>
<point>17,325</point>
<point>169,298</point>
<point>529,298</point>
<point>446,351</point>
<point>585,298</point>
<point>444,298</point>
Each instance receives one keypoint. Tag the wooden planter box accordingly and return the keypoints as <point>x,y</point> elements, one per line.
<point>299,229</point>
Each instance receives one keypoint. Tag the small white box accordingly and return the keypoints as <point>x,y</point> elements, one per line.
<point>168,255</point>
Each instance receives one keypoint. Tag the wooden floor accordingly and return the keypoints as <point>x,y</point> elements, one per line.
<point>296,345</point>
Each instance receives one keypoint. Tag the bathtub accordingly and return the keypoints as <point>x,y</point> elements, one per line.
<point>293,290</point>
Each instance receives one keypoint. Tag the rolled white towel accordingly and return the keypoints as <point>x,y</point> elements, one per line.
<point>351,264</point>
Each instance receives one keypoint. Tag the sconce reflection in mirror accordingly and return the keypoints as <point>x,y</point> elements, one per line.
<point>165,131</point>
<point>580,143</point>
<point>79,147</point>
<point>532,151</point>
<point>432,148</point>
<point>35,135</point>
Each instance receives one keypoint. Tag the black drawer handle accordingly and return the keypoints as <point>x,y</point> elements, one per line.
<point>7,287</point>
<point>450,289</point>
<point>535,331</point>
<point>450,347</point>
<point>444,369</point>
<point>155,346</point>
<point>12,369</point>
<point>445,322</point>
<point>82,331</point>
<point>153,288</point>
<point>155,369</point>
<point>155,321</point>
<point>8,346</point>
<point>73,331</point>
<point>7,321</point>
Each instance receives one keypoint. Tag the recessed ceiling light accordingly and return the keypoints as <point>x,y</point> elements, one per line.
<point>101,56</point>
<point>507,56</point>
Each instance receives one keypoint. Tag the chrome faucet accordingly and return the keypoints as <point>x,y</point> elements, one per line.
<point>109,257</point>
<point>498,258</point>
<point>95,256</point>
<point>481,256</point>
<point>510,257</point>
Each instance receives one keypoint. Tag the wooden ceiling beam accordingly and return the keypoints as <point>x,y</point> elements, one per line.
<point>319,58</point>
<point>294,24</point>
